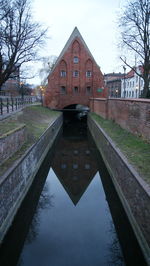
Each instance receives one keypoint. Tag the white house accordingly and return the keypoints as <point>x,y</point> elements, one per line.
<point>132,85</point>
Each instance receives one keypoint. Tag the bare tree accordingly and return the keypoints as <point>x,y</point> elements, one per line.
<point>20,37</point>
<point>135,25</point>
<point>47,66</point>
<point>4,9</point>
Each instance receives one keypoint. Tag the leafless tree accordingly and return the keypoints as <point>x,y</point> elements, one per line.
<point>135,25</point>
<point>47,66</point>
<point>4,9</point>
<point>20,37</point>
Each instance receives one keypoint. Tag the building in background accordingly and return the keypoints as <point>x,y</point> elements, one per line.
<point>132,85</point>
<point>12,85</point>
<point>113,83</point>
<point>75,77</point>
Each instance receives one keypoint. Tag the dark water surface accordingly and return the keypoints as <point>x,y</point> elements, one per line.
<point>72,224</point>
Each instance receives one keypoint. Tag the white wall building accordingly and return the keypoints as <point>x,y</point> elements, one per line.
<point>132,85</point>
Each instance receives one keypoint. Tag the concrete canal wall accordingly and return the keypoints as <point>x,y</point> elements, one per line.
<point>134,193</point>
<point>15,183</point>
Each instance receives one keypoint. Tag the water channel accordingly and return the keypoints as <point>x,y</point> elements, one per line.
<point>72,215</point>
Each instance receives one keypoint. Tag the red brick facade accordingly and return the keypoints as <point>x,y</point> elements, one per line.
<point>75,77</point>
<point>130,114</point>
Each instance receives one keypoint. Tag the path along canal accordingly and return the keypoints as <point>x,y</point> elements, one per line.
<point>71,215</point>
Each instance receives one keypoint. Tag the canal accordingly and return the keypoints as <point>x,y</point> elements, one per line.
<point>72,215</point>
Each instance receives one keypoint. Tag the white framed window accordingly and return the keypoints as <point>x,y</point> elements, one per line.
<point>63,73</point>
<point>88,74</point>
<point>75,60</point>
<point>76,73</point>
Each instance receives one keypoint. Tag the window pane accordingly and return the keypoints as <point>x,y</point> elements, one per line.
<point>63,89</point>
<point>75,89</point>
<point>88,90</point>
<point>63,73</point>
<point>76,73</point>
<point>88,74</point>
<point>76,59</point>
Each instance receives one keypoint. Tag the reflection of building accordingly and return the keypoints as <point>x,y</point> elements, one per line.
<point>132,85</point>
<point>113,83</point>
<point>74,167</point>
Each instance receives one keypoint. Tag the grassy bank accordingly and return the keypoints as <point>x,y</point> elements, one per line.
<point>136,150</point>
<point>36,119</point>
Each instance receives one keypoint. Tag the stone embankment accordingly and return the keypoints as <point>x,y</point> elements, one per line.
<point>12,142</point>
<point>133,191</point>
<point>16,181</point>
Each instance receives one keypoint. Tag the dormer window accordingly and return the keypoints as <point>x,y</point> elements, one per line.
<point>63,73</point>
<point>88,74</point>
<point>75,60</point>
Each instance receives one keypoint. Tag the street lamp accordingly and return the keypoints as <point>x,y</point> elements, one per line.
<point>116,93</point>
<point>124,79</point>
<point>42,94</point>
<point>22,89</point>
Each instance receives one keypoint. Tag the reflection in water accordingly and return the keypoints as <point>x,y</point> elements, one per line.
<point>75,167</point>
<point>75,234</point>
<point>72,224</point>
<point>45,202</point>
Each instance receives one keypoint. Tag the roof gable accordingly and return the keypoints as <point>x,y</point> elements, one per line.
<point>75,35</point>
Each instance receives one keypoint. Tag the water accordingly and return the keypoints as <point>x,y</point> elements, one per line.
<point>72,224</point>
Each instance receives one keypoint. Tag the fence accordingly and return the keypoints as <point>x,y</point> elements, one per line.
<point>11,104</point>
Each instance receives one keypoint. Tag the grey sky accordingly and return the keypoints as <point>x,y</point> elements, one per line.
<point>96,20</point>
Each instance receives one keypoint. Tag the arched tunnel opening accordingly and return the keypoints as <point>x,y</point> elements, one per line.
<point>75,120</point>
<point>75,112</point>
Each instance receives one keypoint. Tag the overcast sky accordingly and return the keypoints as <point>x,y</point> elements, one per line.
<point>95,19</point>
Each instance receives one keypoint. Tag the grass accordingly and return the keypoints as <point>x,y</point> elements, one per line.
<point>6,127</point>
<point>136,150</point>
<point>36,119</point>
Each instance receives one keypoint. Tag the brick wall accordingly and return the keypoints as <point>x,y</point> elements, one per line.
<point>130,114</point>
<point>99,106</point>
<point>11,142</point>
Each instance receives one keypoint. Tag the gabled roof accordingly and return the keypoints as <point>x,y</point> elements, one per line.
<point>75,34</point>
<point>131,73</point>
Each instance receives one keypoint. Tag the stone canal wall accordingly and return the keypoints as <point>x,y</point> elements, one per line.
<point>132,189</point>
<point>11,142</point>
<point>15,183</point>
<point>130,114</point>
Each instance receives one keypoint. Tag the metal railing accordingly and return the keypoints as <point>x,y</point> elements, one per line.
<point>11,104</point>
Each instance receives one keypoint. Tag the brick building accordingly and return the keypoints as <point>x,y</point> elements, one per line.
<point>75,77</point>
<point>113,83</point>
